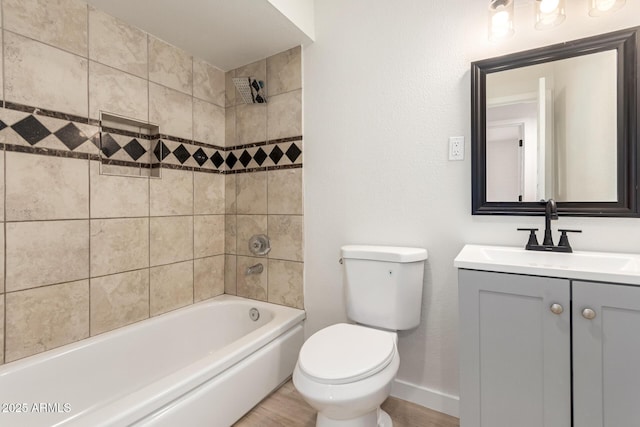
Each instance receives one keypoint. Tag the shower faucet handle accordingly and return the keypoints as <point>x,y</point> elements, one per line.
<point>259,244</point>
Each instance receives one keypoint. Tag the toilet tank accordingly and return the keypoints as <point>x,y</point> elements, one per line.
<point>383,285</point>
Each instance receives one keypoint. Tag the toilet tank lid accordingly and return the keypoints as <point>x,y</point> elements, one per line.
<point>384,253</point>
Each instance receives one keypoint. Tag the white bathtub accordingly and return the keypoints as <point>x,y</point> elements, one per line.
<point>203,365</point>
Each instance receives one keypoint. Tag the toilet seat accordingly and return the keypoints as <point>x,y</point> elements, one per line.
<point>345,353</point>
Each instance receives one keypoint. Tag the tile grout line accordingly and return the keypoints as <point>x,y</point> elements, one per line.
<point>193,237</point>
<point>89,175</point>
<point>4,80</point>
<point>235,214</point>
<point>193,195</point>
<point>148,78</point>
<point>4,206</point>
<point>149,247</point>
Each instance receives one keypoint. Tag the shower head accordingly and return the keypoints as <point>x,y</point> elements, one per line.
<point>251,90</point>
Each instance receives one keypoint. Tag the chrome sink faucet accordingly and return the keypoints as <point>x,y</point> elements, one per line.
<point>550,213</point>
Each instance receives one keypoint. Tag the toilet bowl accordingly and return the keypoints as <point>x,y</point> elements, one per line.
<point>345,372</point>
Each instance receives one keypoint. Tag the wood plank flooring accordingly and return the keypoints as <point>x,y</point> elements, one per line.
<point>286,408</point>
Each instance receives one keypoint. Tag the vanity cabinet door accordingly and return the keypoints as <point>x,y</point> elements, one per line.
<point>514,350</point>
<point>606,355</point>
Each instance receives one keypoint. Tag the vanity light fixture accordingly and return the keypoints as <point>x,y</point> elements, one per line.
<point>601,7</point>
<point>500,19</point>
<point>549,13</point>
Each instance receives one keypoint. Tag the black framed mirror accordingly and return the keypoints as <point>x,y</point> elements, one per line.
<point>558,122</point>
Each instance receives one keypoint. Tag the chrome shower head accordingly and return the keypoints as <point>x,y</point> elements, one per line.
<point>251,90</point>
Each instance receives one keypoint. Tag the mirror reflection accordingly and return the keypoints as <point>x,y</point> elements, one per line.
<point>551,131</point>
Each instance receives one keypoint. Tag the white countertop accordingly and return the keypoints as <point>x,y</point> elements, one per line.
<point>582,265</point>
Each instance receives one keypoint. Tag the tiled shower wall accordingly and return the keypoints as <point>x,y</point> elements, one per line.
<point>263,197</point>
<point>85,252</point>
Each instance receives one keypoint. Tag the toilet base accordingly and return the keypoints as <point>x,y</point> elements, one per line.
<point>377,418</point>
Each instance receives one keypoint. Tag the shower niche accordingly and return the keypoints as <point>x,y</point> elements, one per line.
<point>129,147</point>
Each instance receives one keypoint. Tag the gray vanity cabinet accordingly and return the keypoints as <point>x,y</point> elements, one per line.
<point>517,352</point>
<point>606,355</point>
<point>514,352</point>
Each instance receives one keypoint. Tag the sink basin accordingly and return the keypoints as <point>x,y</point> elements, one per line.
<point>599,266</point>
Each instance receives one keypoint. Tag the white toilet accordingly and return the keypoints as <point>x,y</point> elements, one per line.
<point>345,371</point>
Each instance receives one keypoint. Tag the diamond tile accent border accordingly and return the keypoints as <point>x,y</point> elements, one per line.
<point>33,130</point>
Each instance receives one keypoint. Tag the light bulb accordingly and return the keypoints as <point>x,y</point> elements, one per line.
<point>605,5</point>
<point>500,19</point>
<point>548,6</point>
<point>549,13</point>
<point>601,7</point>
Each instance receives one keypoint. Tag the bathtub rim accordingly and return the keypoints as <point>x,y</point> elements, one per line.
<point>127,407</point>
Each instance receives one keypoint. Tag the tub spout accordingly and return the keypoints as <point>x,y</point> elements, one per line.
<point>254,269</point>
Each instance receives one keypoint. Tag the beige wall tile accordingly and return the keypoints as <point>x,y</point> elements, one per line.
<point>208,123</point>
<point>171,239</point>
<point>117,92</point>
<point>46,252</point>
<point>46,187</point>
<point>2,62</point>
<point>251,123</point>
<point>208,235</point>
<point>285,283</point>
<point>119,300</point>
<point>2,245</point>
<point>117,44</point>
<point>285,191</point>
<point>230,274</point>
<point>230,234</point>
<point>230,199</point>
<point>208,277</point>
<point>172,110</point>
<point>171,287</point>
<point>230,138</point>
<point>2,183</point>
<point>61,23</point>
<point>44,318</point>
<point>251,193</point>
<point>208,82</point>
<point>117,196</point>
<point>247,226</point>
<point>119,245</point>
<point>284,71</point>
<point>285,232</point>
<point>257,69</point>
<point>56,80</point>
<point>208,193</point>
<point>170,66</point>
<point>284,115</point>
<point>252,286</point>
<point>172,194</point>
<point>229,89</point>
<point>2,329</point>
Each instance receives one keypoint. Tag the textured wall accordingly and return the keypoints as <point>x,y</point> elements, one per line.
<point>386,84</point>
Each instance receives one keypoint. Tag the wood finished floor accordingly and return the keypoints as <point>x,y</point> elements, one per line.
<point>286,408</point>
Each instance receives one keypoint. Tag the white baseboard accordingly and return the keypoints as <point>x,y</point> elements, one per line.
<point>423,396</point>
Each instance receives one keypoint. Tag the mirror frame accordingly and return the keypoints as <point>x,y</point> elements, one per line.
<point>626,42</point>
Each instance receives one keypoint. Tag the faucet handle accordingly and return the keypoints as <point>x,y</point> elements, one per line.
<point>564,240</point>
<point>533,240</point>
